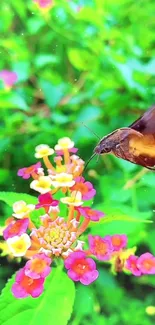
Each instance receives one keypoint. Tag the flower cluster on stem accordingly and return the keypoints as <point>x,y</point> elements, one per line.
<point>64,216</point>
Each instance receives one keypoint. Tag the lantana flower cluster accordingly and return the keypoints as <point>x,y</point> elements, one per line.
<point>64,217</point>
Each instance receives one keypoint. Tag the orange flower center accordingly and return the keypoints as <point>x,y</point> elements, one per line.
<point>100,246</point>
<point>15,228</point>
<point>81,266</point>
<point>38,265</point>
<point>81,188</point>
<point>116,241</point>
<point>29,170</point>
<point>148,264</point>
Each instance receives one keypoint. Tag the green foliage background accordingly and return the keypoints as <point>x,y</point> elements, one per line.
<point>89,61</point>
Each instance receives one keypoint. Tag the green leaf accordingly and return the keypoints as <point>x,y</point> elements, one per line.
<point>35,216</point>
<point>53,93</point>
<point>11,197</point>
<point>81,59</point>
<point>84,300</point>
<point>44,59</point>
<point>89,113</point>
<point>116,214</point>
<point>54,306</point>
<point>120,220</point>
<point>13,100</point>
<point>22,69</point>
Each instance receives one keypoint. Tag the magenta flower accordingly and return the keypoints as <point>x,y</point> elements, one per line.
<point>131,265</point>
<point>27,172</point>
<point>8,77</point>
<point>81,268</point>
<point>25,286</point>
<point>38,267</point>
<point>146,263</point>
<point>71,150</point>
<point>44,4</point>
<point>88,213</point>
<point>118,241</point>
<point>100,247</point>
<point>46,201</point>
<point>16,228</point>
<point>86,188</point>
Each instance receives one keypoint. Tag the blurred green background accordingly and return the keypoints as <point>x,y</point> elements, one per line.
<point>91,62</point>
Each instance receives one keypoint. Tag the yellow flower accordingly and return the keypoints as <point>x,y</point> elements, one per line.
<point>18,245</point>
<point>42,185</point>
<point>64,143</point>
<point>43,150</point>
<point>21,209</point>
<point>150,310</point>
<point>74,199</point>
<point>62,180</point>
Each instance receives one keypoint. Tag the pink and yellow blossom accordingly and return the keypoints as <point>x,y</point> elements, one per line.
<point>80,268</point>
<point>93,215</point>
<point>27,172</point>
<point>86,188</point>
<point>43,150</point>
<point>38,266</point>
<point>75,199</point>
<point>16,228</point>
<point>18,245</point>
<point>42,184</point>
<point>56,233</point>
<point>118,241</point>
<point>25,286</point>
<point>46,201</point>
<point>100,247</point>
<point>22,210</point>
<point>146,263</point>
<point>131,265</point>
<point>62,180</point>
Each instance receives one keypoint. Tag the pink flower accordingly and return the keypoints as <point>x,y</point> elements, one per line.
<point>46,201</point>
<point>61,153</point>
<point>100,247</point>
<point>86,188</point>
<point>146,263</point>
<point>81,268</point>
<point>8,77</point>
<point>26,172</point>
<point>38,267</point>
<point>118,241</point>
<point>16,228</point>
<point>44,3</point>
<point>93,215</point>
<point>25,286</point>
<point>131,265</point>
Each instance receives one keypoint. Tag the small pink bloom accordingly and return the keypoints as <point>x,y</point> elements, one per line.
<point>131,265</point>
<point>26,172</point>
<point>86,188</point>
<point>100,247</point>
<point>93,215</point>
<point>46,201</point>
<point>81,268</point>
<point>44,3</point>
<point>25,286</point>
<point>38,267</point>
<point>146,263</point>
<point>16,228</point>
<point>61,153</point>
<point>118,241</point>
<point>8,77</point>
